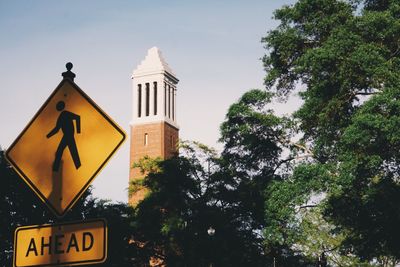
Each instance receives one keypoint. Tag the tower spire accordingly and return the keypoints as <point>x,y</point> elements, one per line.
<point>153,62</point>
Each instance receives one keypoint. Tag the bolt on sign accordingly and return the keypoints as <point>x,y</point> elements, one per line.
<point>64,146</point>
<point>61,244</point>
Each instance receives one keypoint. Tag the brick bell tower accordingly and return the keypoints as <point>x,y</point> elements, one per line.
<point>154,129</point>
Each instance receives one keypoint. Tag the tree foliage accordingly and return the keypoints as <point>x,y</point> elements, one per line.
<point>188,195</point>
<point>343,60</point>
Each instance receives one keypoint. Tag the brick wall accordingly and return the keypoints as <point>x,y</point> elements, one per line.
<point>162,140</point>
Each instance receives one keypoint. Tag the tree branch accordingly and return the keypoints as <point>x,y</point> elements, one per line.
<point>364,93</point>
<point>307,206</point>
<point>303,148</point>
<point>300,146</point>
<point>290,159</point>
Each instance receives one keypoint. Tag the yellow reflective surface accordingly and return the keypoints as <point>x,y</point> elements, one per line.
<point>61,244</point>
<point>33,154</point>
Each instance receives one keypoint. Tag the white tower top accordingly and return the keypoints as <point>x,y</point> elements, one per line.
<point>153,63</point>
<point>154,90</point>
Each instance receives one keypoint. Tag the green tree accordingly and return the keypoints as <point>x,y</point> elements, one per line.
<point>199,189</point>
<point>189,194</point>
<point>18,206</point>
<point>256,155</point>
<point>343,59</point>
<point>368,179</point>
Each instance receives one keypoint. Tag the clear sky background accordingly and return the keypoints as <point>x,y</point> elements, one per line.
<point>214,48</point>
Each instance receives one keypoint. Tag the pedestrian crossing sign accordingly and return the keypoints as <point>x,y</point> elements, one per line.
<point>64,146</point>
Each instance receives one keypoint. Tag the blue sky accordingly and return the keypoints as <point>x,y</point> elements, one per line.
<point>213,47</point>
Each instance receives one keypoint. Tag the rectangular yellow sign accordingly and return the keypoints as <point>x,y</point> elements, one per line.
<point>76,243</point>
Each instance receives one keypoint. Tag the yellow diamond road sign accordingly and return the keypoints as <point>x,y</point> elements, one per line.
<point>64,147</point>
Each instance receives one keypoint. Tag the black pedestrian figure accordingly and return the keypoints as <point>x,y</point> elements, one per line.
<point>66,124</point>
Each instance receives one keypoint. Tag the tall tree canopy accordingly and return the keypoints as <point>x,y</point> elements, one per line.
<point>188,195</point>
<point>343,59</point>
